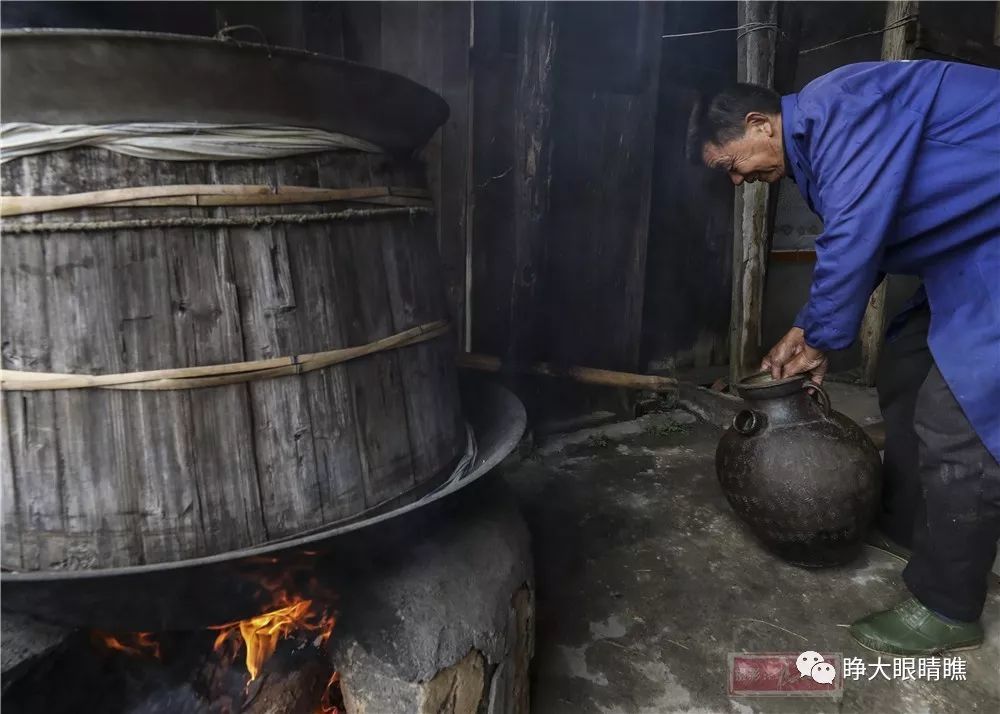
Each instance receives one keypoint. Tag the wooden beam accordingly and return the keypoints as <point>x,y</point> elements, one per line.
<point>491,182</point>
<point>469,195</point>
<point>755,64</point>
<point>587,375</point>
<point>537,40</point>
<point>897,43</point>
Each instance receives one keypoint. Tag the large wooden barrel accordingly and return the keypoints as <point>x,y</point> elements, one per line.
<point>98,478</point>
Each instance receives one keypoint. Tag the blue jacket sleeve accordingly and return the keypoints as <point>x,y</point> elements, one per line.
<point>862,149</point>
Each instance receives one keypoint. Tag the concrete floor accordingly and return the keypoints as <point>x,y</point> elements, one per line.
<point>647,581</point>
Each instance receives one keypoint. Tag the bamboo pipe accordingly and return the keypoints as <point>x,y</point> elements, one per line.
<point>588,375</point>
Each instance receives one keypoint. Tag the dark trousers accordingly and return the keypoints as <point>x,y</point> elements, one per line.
<point>942,487</point>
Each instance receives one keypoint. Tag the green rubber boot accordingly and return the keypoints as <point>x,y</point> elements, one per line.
<point>912,629</point>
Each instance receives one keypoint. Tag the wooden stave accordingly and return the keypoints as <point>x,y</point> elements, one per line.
<point>204,521</point>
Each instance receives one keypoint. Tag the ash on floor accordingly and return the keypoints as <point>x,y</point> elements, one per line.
<point>647,581</point>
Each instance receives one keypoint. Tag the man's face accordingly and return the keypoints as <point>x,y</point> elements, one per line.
<point>758,155</point>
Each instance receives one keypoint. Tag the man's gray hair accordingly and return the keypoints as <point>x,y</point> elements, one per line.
<point>720,117</point>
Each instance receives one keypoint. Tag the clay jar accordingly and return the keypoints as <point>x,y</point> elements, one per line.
<point>805,478</point>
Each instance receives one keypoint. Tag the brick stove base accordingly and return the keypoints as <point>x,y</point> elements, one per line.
<point>442,624</point>
<point>450,627</point>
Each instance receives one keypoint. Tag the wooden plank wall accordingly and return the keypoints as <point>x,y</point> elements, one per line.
<point>578,298</point>
<point>307,25</point>
<point>689,261</point>
<point>538,40</point>
<point>491,190</point>
<point>604,118</point>
<point>564,95</point>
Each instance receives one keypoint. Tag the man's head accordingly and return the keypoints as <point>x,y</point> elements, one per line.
<point>738,130</point>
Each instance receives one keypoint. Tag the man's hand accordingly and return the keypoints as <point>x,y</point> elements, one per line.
<point>793,356</point>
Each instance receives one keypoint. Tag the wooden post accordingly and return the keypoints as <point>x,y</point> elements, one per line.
<point>490,187</point>
<point>537,38</point>
<point>470,183</point>
<point>996,27</point>
<point>872,334</point>
<point>897,43</point>
<point>755,64</point>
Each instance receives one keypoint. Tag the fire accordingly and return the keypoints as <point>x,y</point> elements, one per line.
<point>326,706</point>
<point>139,643</point>
<point>262,633</point>
<point>290,615</point>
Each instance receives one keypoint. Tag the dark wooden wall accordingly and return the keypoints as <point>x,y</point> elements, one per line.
<point>689,263</point>
<point>491,191</point>
<point>304,25</point>
<point>558,272</point>
<point>603,108</point>
<point>608,66</point>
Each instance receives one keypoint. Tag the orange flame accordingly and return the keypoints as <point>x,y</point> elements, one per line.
<point>139,643</point>
<point>325,705</point>
<point>262,633</point>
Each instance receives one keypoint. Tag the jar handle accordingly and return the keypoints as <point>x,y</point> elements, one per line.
<point>820,395</point>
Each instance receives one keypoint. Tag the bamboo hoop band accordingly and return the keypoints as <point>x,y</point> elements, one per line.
<point>217,375</point>
<point>213,222</point>
<point>212,195</point>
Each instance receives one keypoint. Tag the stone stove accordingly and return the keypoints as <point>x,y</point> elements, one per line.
<point>442,623</point>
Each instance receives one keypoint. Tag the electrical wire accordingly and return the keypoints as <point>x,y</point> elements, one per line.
<point>749,27</point>
<point>893,26</point>
<point>755,26</point>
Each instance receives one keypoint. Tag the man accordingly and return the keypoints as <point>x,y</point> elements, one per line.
<point>901,160</point>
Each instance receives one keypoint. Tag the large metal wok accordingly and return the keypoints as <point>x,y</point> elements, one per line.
<point>213,590</point>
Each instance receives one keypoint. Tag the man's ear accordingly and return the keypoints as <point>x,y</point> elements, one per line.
<point>761,122</point>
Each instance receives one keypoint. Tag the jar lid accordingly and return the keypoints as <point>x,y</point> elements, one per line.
<point>763,386</point>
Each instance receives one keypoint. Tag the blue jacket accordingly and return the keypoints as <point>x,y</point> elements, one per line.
<point>901,160</point>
